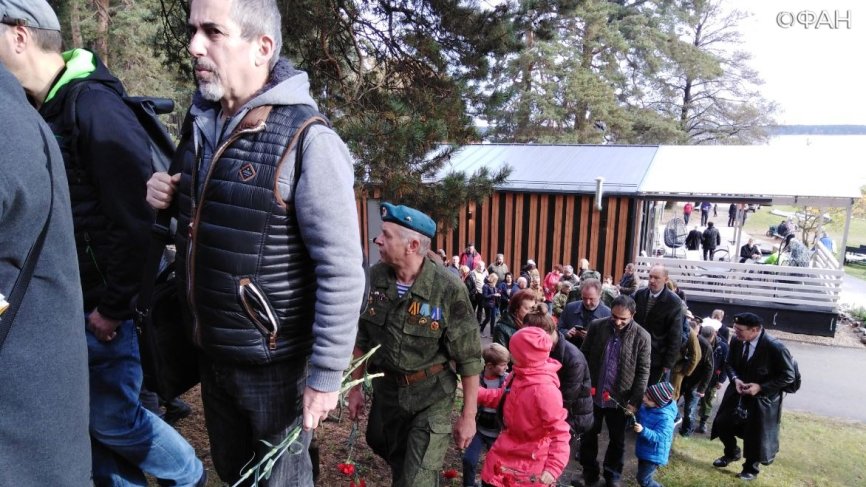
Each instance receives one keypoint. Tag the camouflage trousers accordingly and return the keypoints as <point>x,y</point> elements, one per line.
<point>410,428</point>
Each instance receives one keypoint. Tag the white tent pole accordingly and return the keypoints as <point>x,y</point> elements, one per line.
<point>738,231</point>
<point>845,234</point>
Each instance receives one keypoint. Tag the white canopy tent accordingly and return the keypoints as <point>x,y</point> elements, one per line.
<point>778,175</point>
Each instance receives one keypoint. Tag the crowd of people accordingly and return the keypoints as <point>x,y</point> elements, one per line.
<point>632,356</point>
<point>571,351</point>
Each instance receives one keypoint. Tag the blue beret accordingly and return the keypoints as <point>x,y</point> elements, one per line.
<point>409,218</point>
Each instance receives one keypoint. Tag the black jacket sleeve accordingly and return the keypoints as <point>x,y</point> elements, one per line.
<point>114,149</point>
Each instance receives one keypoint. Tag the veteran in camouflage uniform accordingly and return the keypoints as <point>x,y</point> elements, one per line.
<point>421,315</point>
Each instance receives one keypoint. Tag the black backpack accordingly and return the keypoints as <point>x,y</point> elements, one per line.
<point>798,380</point>
<point>146,110</point>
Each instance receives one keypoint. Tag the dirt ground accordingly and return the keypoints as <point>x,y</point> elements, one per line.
<point>333,437</point>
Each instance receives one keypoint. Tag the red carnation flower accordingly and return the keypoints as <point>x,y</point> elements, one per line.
<point>360,483</point>
<point>605,395</point>
<point>450,474</point>
<point>592,392</point>
<point>348,469</point>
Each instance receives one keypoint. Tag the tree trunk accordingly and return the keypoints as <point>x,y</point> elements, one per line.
<point>75,24</point>
<point>102,20</point>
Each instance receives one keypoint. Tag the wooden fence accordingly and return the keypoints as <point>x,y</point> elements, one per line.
<point>774,286</point>
<point>548,228</point>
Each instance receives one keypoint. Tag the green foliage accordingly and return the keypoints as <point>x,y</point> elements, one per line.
<point>859,209</point>
<point>705,82</point>
<point>395,78</point>
<point>134,55</point>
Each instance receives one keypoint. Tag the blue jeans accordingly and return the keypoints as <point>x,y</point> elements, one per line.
<point>245,405</point>
<point>690,404</point>
<point>491,315</point>
<point>472,455</point>
<point>126,438</point>
<point>645,472</point>
<point>613,458</point>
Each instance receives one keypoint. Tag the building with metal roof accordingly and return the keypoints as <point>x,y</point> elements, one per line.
<point>559,168</point>
<point>553,209</point>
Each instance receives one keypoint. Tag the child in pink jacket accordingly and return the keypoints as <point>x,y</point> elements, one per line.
<point>532,448</point>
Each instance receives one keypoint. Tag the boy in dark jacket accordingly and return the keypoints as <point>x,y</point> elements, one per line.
<point>496,358</point>
<point>696,383</point>
<point>655,430</point>
<point>719,341</point>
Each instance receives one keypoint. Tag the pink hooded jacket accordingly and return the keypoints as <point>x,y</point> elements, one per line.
<point>535,436</point>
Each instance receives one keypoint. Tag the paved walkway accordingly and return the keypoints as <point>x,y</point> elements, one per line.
<point>833,382</point>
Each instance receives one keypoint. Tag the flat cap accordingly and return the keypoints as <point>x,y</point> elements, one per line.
<point>29,13</point>
<point>409,218</point>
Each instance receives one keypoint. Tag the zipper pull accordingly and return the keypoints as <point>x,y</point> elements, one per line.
<point>272,341</point>
<point>189,230</point>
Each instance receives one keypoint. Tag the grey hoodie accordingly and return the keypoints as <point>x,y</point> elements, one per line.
<point>327,216</point>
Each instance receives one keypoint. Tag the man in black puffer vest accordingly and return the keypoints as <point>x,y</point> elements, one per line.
<point>107,160</point>
<point>269,261</point>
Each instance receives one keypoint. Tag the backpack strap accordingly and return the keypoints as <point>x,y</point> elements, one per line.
<point>500,408</point>
<point>22,282</point>
<point>296,142</point>
<point>70,124</point>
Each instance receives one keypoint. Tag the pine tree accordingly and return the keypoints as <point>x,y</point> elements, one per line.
<point>707,85</point>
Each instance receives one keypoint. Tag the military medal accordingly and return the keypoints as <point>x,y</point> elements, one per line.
<point>434,326</point>
<point>425,309</point>
<point>437,313</point>
<point>422,321</point>
<point>372,312</point>
<point>414,308</point>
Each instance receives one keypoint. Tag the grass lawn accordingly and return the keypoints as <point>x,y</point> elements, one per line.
<point>814,451</point>
<point>757,224</point>
<point>856,269</point>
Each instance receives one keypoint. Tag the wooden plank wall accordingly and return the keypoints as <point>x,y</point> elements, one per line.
<point>548,228</point>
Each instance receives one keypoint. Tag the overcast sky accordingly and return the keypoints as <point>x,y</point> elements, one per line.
<point>816,75</point>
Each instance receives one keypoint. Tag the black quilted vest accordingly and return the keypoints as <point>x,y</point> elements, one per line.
<point>238,234</point>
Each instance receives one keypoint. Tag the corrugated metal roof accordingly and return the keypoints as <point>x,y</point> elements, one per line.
<point>558,168</point>
<point>792,175</point>
<point>781,174</point>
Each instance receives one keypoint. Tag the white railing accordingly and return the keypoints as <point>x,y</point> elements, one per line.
<point>822,257</point>
<point>779,285</point>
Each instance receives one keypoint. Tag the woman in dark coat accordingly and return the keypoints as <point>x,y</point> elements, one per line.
<point>574,381</point>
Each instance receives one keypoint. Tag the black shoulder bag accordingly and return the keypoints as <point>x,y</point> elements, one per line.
<point>23,281</point>
<point>169,360</point>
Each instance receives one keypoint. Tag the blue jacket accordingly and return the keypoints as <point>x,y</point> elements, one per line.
<point>653,444</point>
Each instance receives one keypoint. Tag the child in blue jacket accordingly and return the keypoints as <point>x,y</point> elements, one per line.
<point>655,429</point>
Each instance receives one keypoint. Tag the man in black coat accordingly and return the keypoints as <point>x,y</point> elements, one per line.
<point>693,239</point>
<point>710,240</point>
<point>617,351</point>
<point>749,251</point>
<point>759,367</point>
<point>661,312</point>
